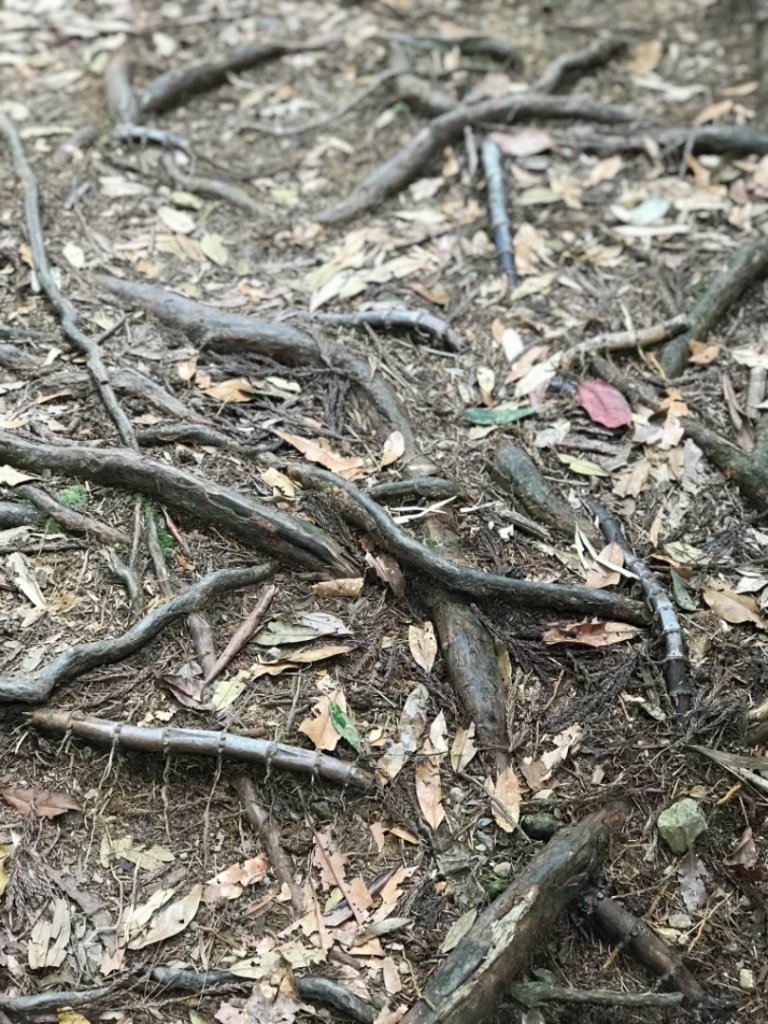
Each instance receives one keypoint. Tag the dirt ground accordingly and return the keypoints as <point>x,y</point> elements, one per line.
<point>90,835</point>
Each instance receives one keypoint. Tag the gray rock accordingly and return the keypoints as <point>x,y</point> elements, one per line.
<point>680,824</point>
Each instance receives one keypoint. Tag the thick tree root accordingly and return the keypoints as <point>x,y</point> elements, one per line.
<point>745,268</point>
<point>228,332</point>
<point>205,743</point>
<point>258,526</point>
<point>364,513</point>
<point>474,977</point>
<point>82,658</point>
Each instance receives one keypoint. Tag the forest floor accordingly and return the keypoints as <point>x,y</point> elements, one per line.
<point>117,863</point>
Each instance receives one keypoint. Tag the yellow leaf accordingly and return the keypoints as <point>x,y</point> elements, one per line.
<point>583,466</point>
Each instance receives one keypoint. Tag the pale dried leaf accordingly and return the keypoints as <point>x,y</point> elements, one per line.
<point>349,467</point>
<point>45,803</point>
<point>171,920</point>
<point>463,748</point>
<point>505,805</point>
<point>423,645</point>
<point>320,729</point>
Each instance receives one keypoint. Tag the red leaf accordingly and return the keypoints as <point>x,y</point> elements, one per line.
<point>604,403</point>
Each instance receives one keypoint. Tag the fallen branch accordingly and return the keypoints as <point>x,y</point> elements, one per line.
<point>70,519</point>
<point>475,975</point>
<point>228,332</point>
<point>204,743</point>
<point>175,86</point>
<point>184,433</point>
<point>363,512</point>
<point>427,487</point>
<point>64,308</point>
<point>709,138</point>
<point>243,634</point>
<point>623,341</point>
<point>82,658</point>
<point>414,158</point>
<point>259,526</point>
<point>17,513</point>
<point>469,655</point>
<point>564,69</point>
<point>493,169</point>
<point>748,470</point>
<point>746,267</point>
<point>634,935</point>
<point>416,320</point>
<point>675,660</point>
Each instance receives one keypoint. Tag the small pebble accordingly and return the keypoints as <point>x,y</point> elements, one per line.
<point>503,869</point>
<point>747,979</point>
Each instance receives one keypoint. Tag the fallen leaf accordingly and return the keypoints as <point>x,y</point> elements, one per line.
<point>413,721</point>
<point>745,855</point>
<point>714,112</point>
<point>5,854</point>
<point>692,876</point>
<point>458,930</point>
<point>281,484</point>
<point>429,791</point>
<point>344,727</point>
<point>170,920</point>
<point>74,255</point>
<point>232,881</point>
<point>49,938</point>
<point>583,466</point>
<point>702,353</point>
<point>591,634</point>
<point>603,573</point>
<point>45,803</point>
<point>239,389</point>
<point>320,451</point>
<point>213,247</point>
<point>25,580</point>
<point>645,57</point>
<point>604,403</point>
<point>523,142</point>
<point>423,645</point>
<point>175,220</point>
<point>309,627</point>
<point>734,608</point>
<point>394,446</point>
<point>505,805</point>
<point>604,170</point>
<point>463,748</point>
<point>321,729</point>
<point>388,571</point>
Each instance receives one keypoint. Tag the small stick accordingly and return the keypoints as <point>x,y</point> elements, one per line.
<point>709,138</point>
<point>212,187</point>
<point>675,662</point>
<point>82,658</point>
<point>206,743</point>
<point>429,488</point>
<point>146,133</point>
<point>496,46</point>
<point>244,633</point>
<point>493,168</point>
<point>533,993</point>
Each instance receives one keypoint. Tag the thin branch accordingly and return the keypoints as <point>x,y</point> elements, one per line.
<point>82,658</point>
<point>565,68</point>
<point>623,341</point>
<point>493,168</point>
<point>204,743</point>
<point>213,188</point>
<point>243,634</point>
<point>415,320</point>
<point>71,519</point>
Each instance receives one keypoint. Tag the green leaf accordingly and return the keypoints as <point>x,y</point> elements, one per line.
<point>500,415</point>
<point>683,597</point>
<point>344,727</point>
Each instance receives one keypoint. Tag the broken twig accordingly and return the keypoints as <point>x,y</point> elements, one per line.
<point>493,168</point>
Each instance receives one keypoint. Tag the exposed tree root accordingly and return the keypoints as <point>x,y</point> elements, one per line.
<point>493,169</point>
<point>496,46</point>
<point>258,526</point>
<point>70,519</point>
<point>675,661</point>
<point>205,743</point>
<point>474,977</point>
<point>413,320</point>
<point>747,266</point>
<point>534,993</point>
<point>82,658</point>
<point>634,935</point>
<point>228,332</point>
<point>427,487</point>
<point>623,341</point>
<point>469,656</point>
<point>565,68</point>
<point>363,512</point>
<point>213,188</point>
<point>121,99</point>
<point>413,159</point>
<point>709,138</point>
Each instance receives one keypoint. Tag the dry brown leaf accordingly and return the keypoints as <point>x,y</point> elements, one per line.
<point>645,57</point>
<point>604,170</point>
<point>49,938</point>
<point>388,570</point>
<point>429,790</point>
<point>45,803</point>
<point>714,112</point>
<point>320,451</point>
<point>231,882</point>
<point>526,362</point>
<point>413,720</point>
<point>239,389</point>
<point>463,748</point>
<point>702,353</point>
<point>505,804</point>
<point>601,575</point>
<point>734,608</point>
<point>394,446</point>
<point>590,634</point>
<point>321,729</point>
<point>423,645</point>
<point>171,920</point>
